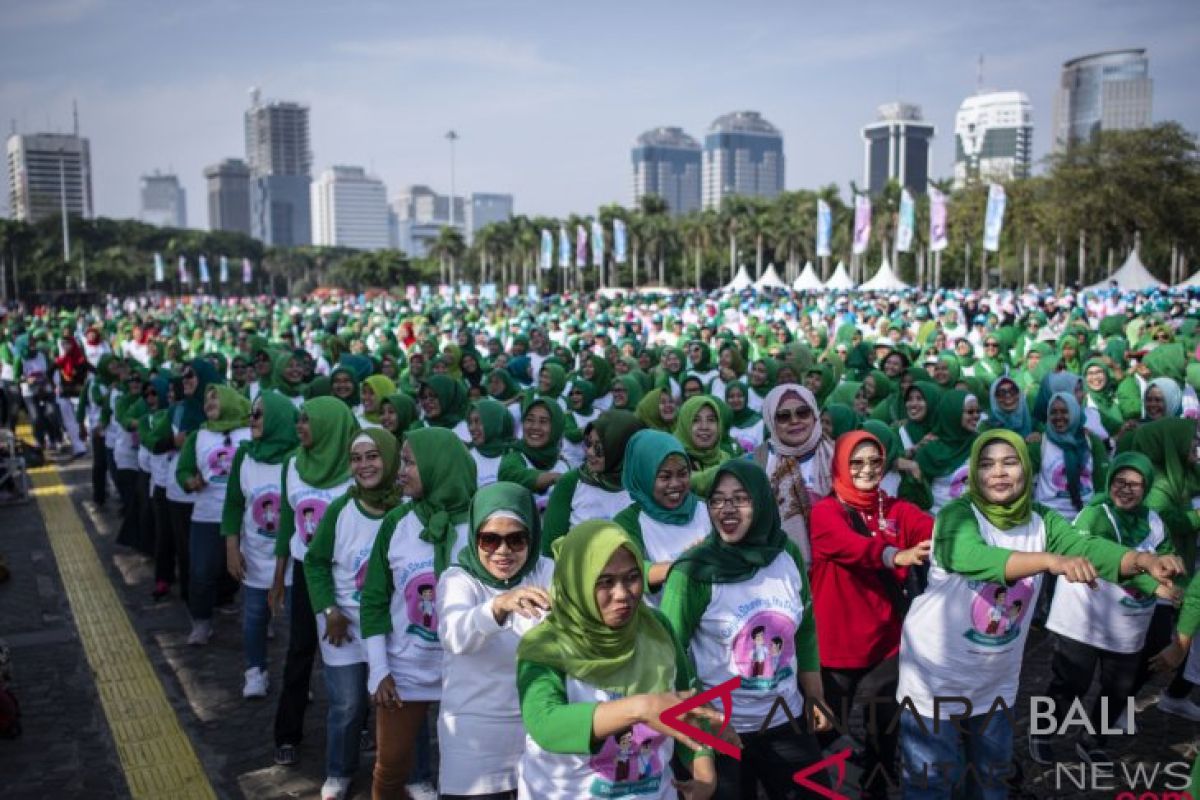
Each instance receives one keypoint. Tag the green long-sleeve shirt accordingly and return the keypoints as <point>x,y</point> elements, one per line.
<point>557,520</point>
<point>287,516</point>
<point>234,510</point>
<point>1093,521</point>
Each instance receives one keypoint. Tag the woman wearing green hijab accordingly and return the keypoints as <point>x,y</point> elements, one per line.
<point>536,462</point>
<point>595,677</point>
<point>746,427</point>
<point>491,428</point>
<point>965,636</point>
<point>599,372</point>
<point>417,543</point>
<point>626,393</point>
<point>1101,406</point>
<point>670,371</point>
<point>128,407</point>
<point>311,479</point>
<point>877,390</point>
<point>552,379</point>
<point>838,419</point>
<point>716,600</point>
<point>374,390</point>
<point>943,459</point>
<point>343,384</point>
<point>203,470</point>
<point>398,415</point>
<point>821,380</point>
<point>920,404</point>
<point>495,595</point>
<point>336,570</point>
<point>444,405</point>
<point>414,375</point>
<point>580,413</point>
<point>1171,446</point>
<point>702,433</point>
<point>659,410</point>
<point>761,380</point>
<point>287,378</point>
<point>593,490</point>
<point>250,522</point>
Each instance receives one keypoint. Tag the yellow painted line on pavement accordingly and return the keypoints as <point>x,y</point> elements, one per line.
<point>156,755</point>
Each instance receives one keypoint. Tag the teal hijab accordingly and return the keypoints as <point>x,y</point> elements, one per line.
<point>644,454</point>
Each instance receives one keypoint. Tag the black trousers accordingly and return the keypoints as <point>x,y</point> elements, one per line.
<point>164,540</point>
<point>99,468</point>
<point>878,685</point>
<point>1072,667</point>
<point>1162,629</point>
<point>127,480</point>
<point>297,667</point>
<point>769,759</point>
<point>181,533</point>
<point>147,532</point>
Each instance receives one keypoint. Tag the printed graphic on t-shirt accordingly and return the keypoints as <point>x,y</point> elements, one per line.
<point>1058,480</point>
<point>421,603</point>
<point>220,460</point>
<point>308,516</point>
<point>745,442</point>
<point>958,482</point>
<point>997,611</point>
<point>361,559</point>
<point>1135,598</point>
<point>628,763</point>
<point>264,510</point>
<point>763,649</point>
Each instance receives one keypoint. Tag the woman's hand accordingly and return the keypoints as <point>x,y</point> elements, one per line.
<point>528,601</point>
<point>652,706</point>
<point>337,628</point>
<point>1033,438</point>
<point>1170,592</point>
<point>820,722</point>
<point>194,483</point>
<point>1169,658</point>
<point>909,466</point>
<point>914,556</point>
<point>386,695</point>
<point>703,783</point>
<point>1161,568</point>
<point>234,560</point>
<point>1076,569</point>
<point>276,595</point>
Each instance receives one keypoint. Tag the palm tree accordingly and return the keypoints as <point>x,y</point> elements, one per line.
<point>447,249</point>
<point>733,214</point>
<point>698,230</point>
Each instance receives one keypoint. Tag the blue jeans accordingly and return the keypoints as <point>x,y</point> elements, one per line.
<point>963,760</point>
<point>347,690</point>
<point>256,616</point>
<point>206,551</point>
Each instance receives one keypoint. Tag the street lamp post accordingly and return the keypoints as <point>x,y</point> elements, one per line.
<point>452,137</point>
<point>66,228</point>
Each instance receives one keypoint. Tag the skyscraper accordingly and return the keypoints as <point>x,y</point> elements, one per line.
<point>484,208</point>
<point>229,196</point>
<point>668,163</point>
<point>280,161</point>
<point>993,137</point>
<point>896,147</point>
<point>350,210</point>
<point>164,202</point>
<point>418,216</point>
<point>743,155</point>
<point>1102,92</point>
<point>46,170</point>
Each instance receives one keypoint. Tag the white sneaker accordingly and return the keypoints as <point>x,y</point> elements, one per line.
<point>201,632</point>
<point>422,791</point>
<point>256,683</point>
<point>1179,706</point>
<point>335,788</point>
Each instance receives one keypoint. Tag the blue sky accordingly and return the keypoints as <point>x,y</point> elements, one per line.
<point>547,96</point>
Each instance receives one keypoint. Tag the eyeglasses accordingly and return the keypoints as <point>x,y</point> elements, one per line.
<point>1121,485</point>
<point>717,502</point>
<point>1007,391</point>
<point>256,413</point>
<point>490,542</point>
<point>786,415</point>
<point>859,464</point>
<point>990,345</point>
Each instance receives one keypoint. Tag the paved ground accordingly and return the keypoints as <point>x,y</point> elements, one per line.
<point>67,749</point>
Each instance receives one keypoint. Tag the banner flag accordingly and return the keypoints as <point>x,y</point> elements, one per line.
<point>564,247</point>
<point>938,239</point>
<point>619,241</point>
<point>547,257</point>
<point>224,269</point>
<point>184,277</point>
<point>908,217</point>
<point>204,269</point>
<point>597,243</point>
<point>247,271</point>
<point>862,223</point>
<point>581,247</point>
<point>993,221</point>
<point>824,228</point>
<point>158,268</point>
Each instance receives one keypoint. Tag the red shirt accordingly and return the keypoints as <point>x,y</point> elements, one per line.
<point>858,624</point>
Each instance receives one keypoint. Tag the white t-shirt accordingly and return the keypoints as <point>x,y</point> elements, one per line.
<point>945,488</point>
<point>259,484</point>
<point>214,460</point>
<point>592,502</point>
<point>308,505</point>
<point>749,437</point>
<point>487,469</point>
<point>1051,487</point>
<point>354,537</point>
<point>666,542</point>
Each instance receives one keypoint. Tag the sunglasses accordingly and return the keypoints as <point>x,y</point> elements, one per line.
<point>786,415</point>
<point>490,542</point>
<point>1007,391</point>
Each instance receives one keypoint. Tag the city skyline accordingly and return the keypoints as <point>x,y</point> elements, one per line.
<point>529,94</point>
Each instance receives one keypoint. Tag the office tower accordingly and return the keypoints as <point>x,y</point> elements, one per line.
<point>1107,91</point>
<point>420,214</point>
<point>280,162</point>
<point>896,147</point>
<point>229,196</point>
<point>743,155</point>
<point>993,138</point>
<point>484,208</point>
<point>668,163</point>
<point>350,209</point>
<point>47,171</point>
<point>164,202</point>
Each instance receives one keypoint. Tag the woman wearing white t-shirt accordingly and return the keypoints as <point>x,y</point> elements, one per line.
<point>491,430</point>
<point>1070,460</point>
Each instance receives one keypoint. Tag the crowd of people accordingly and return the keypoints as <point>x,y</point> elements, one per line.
<point>543,523</point>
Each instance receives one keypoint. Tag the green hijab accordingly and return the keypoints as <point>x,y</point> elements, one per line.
<point>636,658</point>
<point>644,454</point>
<point>647,412</point>
<point>1017,512</point>
<point>716,561</point>
<point>558,380</point>
<point>883,388</point>
<point>614,427</point>
<point>235,409</point>
<point>633,391</point>
<point>747,417</point>
<point>701,458</point>
<point>333,426</point>
<point>354,399</point>
<point>279,363</point>
<point>843,417</point>
<point>452,397</point>
<point>893,448</point>
<point>1166,442</point>
<point>544,457</point>
<point>497,428</point>
<point>772,369</point>
<point>501,497</point>
<point>588,391</point>
<point>602,374</point>
<point>386,495</point>
<point>1132,526</point>
<point>383,387</point>
<point>449,479</point>
<point>406,413</point>
<point>950,449</point>
<point>511,387</point>
<point>278,439</point>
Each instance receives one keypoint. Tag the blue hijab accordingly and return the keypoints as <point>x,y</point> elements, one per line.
<point>644,454</point>
<point>1019,421</point>
<point>1073,442</point>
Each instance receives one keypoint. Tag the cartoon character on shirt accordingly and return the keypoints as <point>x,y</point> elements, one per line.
<point>776,653</point>
<point>420,603</point>
<point>624,756</point>
<point>997,610</point>
<point>308,524</point>
<point>958,482</point>
<point>1058,479</point>
<point>997,614</point>
<point>427,605</point>
<point>628,763</point>
<point>645,761</point>
<point>759,658</point>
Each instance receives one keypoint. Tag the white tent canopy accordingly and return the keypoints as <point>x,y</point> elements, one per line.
<point>807,280</point>
<point>1192,281</point>
<point>740,281</point>
<point>885,280</point>
<point>1132,275</point>
<point>839,280</point>
<point>770,280</point>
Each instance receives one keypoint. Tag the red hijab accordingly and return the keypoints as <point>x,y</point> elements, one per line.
<point>843,483</point>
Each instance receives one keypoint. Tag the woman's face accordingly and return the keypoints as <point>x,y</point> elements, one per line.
<point>725,360</point>
<point>370,401</point>
<point>671,362</point>
<point>915,406</point>
<point>212,404</point>
<point>1008,396</point>
<point>1068,352</point>
<point>731,509</point>
<point>619,589</point>
<point>621,367</point>
<point>970,414</point>
<point>893,366</point>
<point>814,382</point>
<point>545,379</point>
<point>691,389</point>
<point>1155,403</point>
<point>503,546</point>
<point>262,365</point>
<point>1000,473</point>
<point>758,374</point>
<point>495,386</point>
<point>293,371</point>
<point>387,366</point>
<point>736,398</point>
<point>304,431</point>
<point>868,387</point>
<point>469,365</point>
<point>1096,378</point>
<point>827,424</point>
<point>672,481</point>
<point>409,476</point>
<point>1127,489</point>
<point>439,367</point>
<point>861,404</point>
<point>1033,360</point>
<point>475,428</point>
<point>705,430</point>
<point>588,371</point>
<point>794,421</point>
<point>667,407</point>
<point>1058,416</point>
<point>963,348</point>
<point>941,372</point>
<point>500,361</point>
<point>866,466</point>
<point>257,415</point>
<point>366,463</point>
<point>430,403</point>
<point>389,418</point>
<point>593,452</point>
<point>190,381</point>
<point>620,396</point>
<point>576,399</point>
<point>536,426</point>
<point>342,386</point>
<point>786,375</point>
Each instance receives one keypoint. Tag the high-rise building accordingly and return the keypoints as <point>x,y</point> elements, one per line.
<point>1107,91</point>
<point>229,196</point>
<point>350,210</point>
<point>484,208</point>
<point>164,201</point>
<point>420,213</point>
<point>280,161</point>
<point>668,163</point>
<point>993,138</point>
<point>896,147</point>
<point>47,171</point>
<point>743,155</point>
